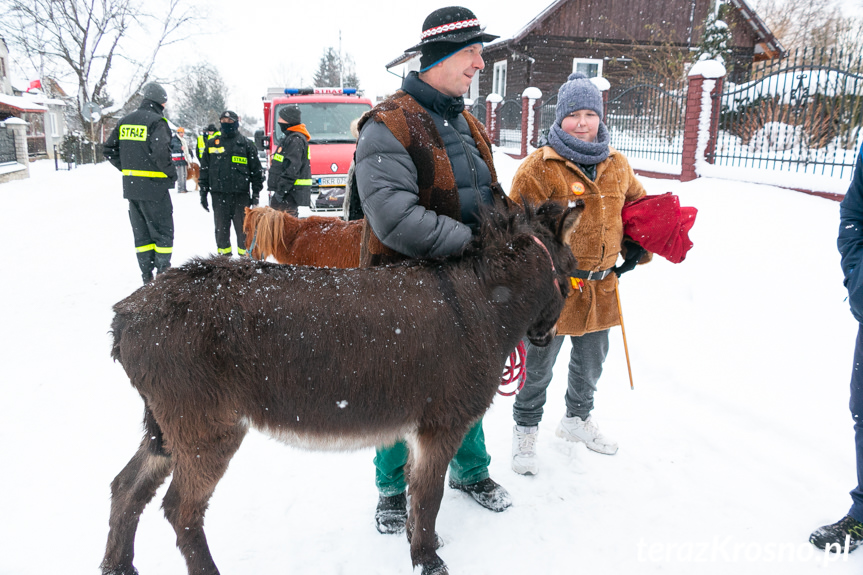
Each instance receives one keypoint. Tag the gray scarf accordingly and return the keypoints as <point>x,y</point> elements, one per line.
<point>575,150</point>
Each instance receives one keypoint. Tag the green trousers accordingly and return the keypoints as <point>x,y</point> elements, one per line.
<point>469,465</point>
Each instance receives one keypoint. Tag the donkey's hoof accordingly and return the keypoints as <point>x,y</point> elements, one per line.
<point>436,567</point>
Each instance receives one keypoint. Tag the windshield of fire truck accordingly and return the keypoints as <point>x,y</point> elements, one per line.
<point>328,122</point>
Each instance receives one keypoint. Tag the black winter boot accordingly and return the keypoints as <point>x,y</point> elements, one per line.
<point>845,531</point>
<point>163,262</point>
<point>391,513</point>
<point>146,264</point>
<point>487,493</point>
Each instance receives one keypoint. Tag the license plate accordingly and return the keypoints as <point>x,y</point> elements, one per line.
<point>332,181</point>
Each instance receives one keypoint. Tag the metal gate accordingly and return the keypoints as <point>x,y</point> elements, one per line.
<point>645,121</point>
<point>509,120</point>
<point>800,114</point>
<point>7,146</point>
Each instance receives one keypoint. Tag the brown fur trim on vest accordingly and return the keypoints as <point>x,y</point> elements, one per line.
<point>414,128</point>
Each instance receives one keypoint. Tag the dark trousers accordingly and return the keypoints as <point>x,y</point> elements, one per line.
<point>585,366</point>
<point>285,203</point>
<point>856,406</point>
<point>153,230</point>
<point>227,209</point>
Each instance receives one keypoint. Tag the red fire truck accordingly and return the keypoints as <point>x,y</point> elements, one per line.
<point>327,114</point>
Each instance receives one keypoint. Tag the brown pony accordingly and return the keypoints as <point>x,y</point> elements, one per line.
<point>416,350</point>
<point>314,241</point>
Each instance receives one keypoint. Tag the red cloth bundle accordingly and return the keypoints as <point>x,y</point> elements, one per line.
<point>660,225</point>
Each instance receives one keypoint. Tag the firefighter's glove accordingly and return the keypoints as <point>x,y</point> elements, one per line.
<point>634,253</point>
<point>204,203</point>
<point>255,197</point>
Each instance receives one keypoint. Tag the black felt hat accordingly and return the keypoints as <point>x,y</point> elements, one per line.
<point>453,24</point>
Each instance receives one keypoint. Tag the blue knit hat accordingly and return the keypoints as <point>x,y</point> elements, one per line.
<point>577,93</point>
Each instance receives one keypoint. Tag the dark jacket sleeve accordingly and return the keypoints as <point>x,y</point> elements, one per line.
<point>387,185</point>
<point>256,174</point>
<point>160,150</point>
<point>292,164</point>
<point>111,149</point>
<point>850,240</point>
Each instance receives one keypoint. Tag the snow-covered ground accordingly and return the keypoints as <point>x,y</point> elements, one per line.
<point>734,445</point>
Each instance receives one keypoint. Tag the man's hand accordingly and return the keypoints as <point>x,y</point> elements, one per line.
<point>204,203</point>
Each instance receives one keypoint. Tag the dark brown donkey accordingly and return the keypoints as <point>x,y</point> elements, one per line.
<point>416,350</point>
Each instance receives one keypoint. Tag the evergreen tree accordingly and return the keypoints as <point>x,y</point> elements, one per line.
<point>716,40</point>
<point>331,68</point>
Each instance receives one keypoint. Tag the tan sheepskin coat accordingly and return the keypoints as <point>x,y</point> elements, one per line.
<point>596,243</point>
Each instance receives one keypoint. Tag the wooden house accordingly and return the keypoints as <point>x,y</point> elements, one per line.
<point>617,40</point>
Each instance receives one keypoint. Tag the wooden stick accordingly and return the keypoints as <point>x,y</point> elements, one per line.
<point>623,331</point>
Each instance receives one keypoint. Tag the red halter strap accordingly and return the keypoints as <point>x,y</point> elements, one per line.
<point>545,249</point>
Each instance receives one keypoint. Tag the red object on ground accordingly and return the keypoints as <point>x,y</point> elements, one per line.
<point>660,225</point>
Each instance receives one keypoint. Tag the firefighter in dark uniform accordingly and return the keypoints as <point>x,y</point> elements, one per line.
<point>290,174</point>
<point>140,147</point>
<point>229,164</point>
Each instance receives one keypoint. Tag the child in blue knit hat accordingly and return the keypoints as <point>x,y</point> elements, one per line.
<point>577,163</point>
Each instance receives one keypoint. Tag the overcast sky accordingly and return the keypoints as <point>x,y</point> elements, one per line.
<point>260,44</point>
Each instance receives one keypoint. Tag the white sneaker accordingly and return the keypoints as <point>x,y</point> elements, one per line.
<point>585,431</point>
<point>524,450</point>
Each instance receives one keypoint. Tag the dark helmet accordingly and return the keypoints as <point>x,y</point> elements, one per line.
<point>155,92</point>
<point>211,128</point>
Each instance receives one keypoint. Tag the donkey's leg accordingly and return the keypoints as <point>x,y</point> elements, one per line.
<point>131,490</point>
<point>433,451</point>
<point>198,468</point>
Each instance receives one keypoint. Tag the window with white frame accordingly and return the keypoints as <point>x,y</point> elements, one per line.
<point>498,81</point>
<point>473,93</point>
<point>590,67</point>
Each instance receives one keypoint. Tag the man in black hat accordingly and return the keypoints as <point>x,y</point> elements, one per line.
<point>290,175</point>
<point>423,168</point>
<point>140,147</point>
<point>228,165</point>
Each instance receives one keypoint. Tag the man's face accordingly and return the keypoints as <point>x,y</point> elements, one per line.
<point>454,75</point>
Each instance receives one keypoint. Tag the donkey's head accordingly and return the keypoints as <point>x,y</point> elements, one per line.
<point>552,226</point>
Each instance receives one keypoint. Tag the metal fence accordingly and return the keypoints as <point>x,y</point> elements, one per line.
<point>7,146</point>
<point>546,118</point>
<point>478,110</point>
<point>509,120</point>
<point>802,113</point>
<point>645,120</point>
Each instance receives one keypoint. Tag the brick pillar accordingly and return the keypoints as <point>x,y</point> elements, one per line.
<point>697,104</point>
<point>691,122</point>
<point>525,112</point>
<point>529,128</point>
<point>492,126</point>
<point>714,120</point>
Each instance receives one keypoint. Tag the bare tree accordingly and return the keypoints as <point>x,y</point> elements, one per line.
<point>803,23</point>
<point>202,96</point>
<point>86,40</point>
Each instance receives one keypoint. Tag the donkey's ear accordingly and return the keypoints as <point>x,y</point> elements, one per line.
<point>569,221</point>
<point>526,206</point>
